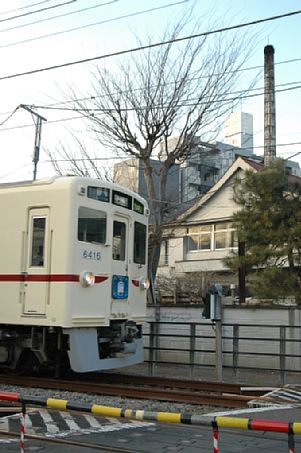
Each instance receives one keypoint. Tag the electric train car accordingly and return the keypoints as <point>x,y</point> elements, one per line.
<point>73,274</point>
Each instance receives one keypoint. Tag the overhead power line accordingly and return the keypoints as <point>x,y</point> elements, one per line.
<point>81,27</point>
<point>80,117</point>
<point>80,110</point>
<point>58,16</point>
<point>183,103</point>
<point>128,156</point>
<point>24,7</point>
<point>92,98</point>
<point>10,115</point>
<point>55,105</point>
<point>38,11</point>
<point>149,46</point>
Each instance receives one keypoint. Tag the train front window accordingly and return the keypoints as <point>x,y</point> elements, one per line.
<point>139,243</point>
<point>92,225</point>
<point>99,193</point>
<point>38,241</point>
<point>119,235</point>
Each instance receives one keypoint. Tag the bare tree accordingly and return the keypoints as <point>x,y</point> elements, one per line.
<point>66,160</point>
<point>177,90</point>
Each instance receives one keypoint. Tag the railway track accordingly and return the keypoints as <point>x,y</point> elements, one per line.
<point>140,387</point>
<point>75,444</point>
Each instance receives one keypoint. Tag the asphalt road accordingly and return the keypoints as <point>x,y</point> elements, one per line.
<point>79,430</point>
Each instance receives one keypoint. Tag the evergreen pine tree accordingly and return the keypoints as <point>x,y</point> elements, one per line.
<point>269,223</point>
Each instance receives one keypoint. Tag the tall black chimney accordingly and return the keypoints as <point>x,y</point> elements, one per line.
<point>269,106</point>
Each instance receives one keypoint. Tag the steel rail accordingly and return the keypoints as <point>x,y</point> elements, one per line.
<point>75,443</point>
<point>216,398</point>
<point>221,387</point>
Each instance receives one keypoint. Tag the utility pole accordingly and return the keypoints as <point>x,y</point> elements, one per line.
<point>37,141</point>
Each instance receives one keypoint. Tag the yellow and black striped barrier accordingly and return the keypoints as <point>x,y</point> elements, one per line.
<point>290,428</point>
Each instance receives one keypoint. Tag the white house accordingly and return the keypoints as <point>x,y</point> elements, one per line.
<point>201,236</point>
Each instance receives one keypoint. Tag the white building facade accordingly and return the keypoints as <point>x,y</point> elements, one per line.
<point>239,130</point>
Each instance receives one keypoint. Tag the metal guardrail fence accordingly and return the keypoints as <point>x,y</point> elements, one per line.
<point>270,348</point>
<point>280,426</point>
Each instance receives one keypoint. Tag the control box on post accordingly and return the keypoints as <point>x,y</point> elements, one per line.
<point>212,304</point>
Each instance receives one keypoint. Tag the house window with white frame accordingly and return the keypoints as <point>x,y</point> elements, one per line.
<point>199,237</point>
<point>224,236</point>
<point>209,237</point>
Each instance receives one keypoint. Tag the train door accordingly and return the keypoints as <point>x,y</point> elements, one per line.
<point>36,278</point>
<point>120,256</point>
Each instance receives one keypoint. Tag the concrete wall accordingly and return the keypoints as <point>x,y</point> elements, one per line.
<point>251,314</point>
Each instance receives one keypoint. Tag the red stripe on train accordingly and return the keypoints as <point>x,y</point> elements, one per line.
<point>46,278</point>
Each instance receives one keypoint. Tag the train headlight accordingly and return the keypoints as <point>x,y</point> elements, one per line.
<point>87,279</point>
<point>144,283</point>
<point>141,282</point>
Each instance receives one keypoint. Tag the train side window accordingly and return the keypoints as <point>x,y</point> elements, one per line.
<point>38,241</point>
<point>119,235</point>
<point>139,243</point>
<point>92,225</point>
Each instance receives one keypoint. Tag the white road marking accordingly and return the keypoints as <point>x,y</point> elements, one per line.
<point>50,424</point>
<point>70,421</point>
<point>93,422</point>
